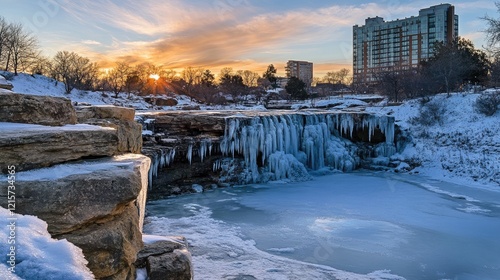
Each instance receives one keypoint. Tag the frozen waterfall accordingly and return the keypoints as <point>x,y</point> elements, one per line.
<point>277,145</point>
<point>286,144</point>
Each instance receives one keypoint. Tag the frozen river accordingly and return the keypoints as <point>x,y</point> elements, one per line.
<point>359,225</point>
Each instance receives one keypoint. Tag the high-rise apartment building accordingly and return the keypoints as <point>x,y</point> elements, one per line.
<point>300,69</point>
<point>400,44</point>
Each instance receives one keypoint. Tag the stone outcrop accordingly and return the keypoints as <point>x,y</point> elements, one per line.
<point>34,146</point>
<point>128,131</point>
<point>84,179</point>
<point>33,109</point>
<point>166,259</point>
<point>4,84</point>
<point>98,205</point>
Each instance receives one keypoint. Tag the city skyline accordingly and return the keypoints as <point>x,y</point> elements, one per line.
<point>241,34</point>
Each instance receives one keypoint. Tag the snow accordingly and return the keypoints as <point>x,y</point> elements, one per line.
<point>22,127</point>
<point>78,168</point>
<point>464,149</point>
<point>37,255</point>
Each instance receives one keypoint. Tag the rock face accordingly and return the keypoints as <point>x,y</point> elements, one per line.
<point>44,110</point>
<point>166,259</point>
<point>34,146</point>
<point>93,191</point>
<point>95,204</point>
<point>121,119</point>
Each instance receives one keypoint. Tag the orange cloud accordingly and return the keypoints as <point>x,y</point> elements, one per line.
<point>215,34</point>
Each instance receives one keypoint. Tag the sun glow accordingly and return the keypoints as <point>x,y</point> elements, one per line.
<point>154,76</point>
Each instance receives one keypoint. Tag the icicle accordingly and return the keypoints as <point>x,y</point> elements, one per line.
<point>189,154</point>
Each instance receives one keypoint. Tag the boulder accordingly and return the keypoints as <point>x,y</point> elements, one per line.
<point>98,205</point>
<point>30,146</point>
<point>121,119</point>
<point>33,109</point>
<point>168,258</point>
<point>161,101</point>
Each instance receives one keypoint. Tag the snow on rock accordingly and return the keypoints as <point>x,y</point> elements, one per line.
<point>37,255</point>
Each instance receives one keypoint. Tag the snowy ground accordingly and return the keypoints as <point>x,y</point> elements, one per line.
<point>35,254</point>
<point>464,148</point>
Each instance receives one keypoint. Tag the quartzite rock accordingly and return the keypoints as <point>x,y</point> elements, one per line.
<point>85,113</point>
<point>33,146</point>
<point>98,205</point>
<point>33,109</point>
<point>128,131</point>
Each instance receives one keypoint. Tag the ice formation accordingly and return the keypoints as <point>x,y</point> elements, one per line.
<point>162,158</point>
<point>276,143</point>
<point>275,147</point>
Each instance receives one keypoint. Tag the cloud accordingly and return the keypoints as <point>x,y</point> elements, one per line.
<point>221,33</point>
<point>90,42</point>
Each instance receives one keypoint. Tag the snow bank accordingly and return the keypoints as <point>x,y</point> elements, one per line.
<point>464,148</point>
<point>37,255</point>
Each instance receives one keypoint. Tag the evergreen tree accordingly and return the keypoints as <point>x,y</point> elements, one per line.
<point>270,75</point>
<point>296,88</point>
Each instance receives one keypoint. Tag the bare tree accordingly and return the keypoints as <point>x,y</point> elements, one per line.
<point>4,35</point>
<point>249,78</point>
<point>73,70</point>
<point>41,66</point>
<point>337,77</point>
<point>117,77</point>
<point>390,84</point>
<point>22,49</point>
<point>192,76</point>
<point>493,31</point>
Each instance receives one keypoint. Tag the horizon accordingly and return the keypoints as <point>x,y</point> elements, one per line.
<point>241,34</point>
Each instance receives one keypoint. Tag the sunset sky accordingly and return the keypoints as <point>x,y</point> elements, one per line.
<point>243,34</point>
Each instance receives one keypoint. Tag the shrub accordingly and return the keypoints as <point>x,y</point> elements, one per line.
<point>430,113</point>
<point>487,103</point>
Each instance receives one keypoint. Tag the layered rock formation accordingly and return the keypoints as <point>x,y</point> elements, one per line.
<point>98,205</point>
<point>83,179</point>
<point>33,109</point>
<point>121,119</point>
<point>34,146</point>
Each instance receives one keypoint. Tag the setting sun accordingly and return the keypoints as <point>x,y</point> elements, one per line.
<point>154,76</point>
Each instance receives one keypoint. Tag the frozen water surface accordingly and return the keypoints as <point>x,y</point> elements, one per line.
<point>360,225</point>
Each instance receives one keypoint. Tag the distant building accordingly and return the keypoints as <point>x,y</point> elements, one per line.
<point>400,44</point>
<point>300,69</point>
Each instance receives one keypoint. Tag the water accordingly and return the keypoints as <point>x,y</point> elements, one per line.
<point>341,226</point>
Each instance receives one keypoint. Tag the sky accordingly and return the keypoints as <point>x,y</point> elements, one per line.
<point>242,34</point>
